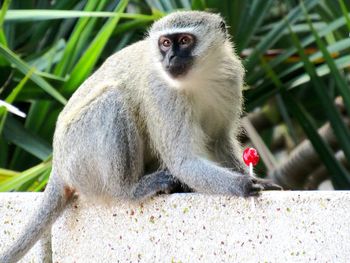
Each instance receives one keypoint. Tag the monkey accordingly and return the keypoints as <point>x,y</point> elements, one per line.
<point>161,112</point>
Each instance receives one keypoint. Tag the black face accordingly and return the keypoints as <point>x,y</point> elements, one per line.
<point>176,50</point>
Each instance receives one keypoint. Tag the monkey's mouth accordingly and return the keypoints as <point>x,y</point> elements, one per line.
<point>178,67</point>
<point>177,72</point>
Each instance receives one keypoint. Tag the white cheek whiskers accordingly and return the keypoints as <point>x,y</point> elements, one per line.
<point>171,81</point>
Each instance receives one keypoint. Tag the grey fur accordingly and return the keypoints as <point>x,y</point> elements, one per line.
<point>130,116</point>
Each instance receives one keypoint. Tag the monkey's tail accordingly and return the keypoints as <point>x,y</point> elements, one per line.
<point>56,197</point>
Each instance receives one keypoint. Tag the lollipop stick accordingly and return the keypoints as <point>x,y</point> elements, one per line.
<point>252,204</point>
<point>251,169</point>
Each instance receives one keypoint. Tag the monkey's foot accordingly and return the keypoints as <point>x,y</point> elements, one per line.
<point>155,183</point>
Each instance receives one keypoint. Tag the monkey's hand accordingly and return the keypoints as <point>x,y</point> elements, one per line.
<point>252,186</point>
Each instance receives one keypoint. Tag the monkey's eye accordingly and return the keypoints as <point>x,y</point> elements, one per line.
<point>165,43</point>
<point>185,40</point>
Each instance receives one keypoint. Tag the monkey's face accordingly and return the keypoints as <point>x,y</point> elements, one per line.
<point>188,46</point>
<point>177,53</point>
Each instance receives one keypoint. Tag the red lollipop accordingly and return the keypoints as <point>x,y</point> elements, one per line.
<point>251,158</point>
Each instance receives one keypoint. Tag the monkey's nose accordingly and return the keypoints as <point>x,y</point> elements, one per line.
<point>171,57</point>
<point>171,61</point>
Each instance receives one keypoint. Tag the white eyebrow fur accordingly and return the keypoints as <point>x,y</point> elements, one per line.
<point>170,31</point>
<point>176,30</point>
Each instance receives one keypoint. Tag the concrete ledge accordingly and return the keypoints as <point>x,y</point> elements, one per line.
<point>276,227</point>
<point>15,211</point>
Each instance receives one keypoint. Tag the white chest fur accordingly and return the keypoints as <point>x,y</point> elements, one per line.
<point>214,88</point>
<point>213,106</point>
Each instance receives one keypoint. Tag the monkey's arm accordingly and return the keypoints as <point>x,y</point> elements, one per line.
<point>227,151</point>
<point>181,145</point>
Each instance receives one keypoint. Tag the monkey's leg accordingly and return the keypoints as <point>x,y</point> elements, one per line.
<point>160,181</point>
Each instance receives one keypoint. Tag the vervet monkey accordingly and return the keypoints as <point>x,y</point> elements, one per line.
<point>169,104</point>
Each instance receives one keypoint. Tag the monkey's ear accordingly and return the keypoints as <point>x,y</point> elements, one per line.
<point>223,27</point>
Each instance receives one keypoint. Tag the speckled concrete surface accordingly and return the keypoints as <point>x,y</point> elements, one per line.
<point>277,227</point>
<point>15,211</point>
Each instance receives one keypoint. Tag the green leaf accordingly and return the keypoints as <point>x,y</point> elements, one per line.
<point>85,65</point>
<point>199,4</point>
<point>25,68</point>
<point>3,39</point>
<point>24,177</point>
<point>17,134</point>
<point>320,90</point>
<point>341,63</point>
<point>84,38</point>
<point>3,11</point>
<point>340,177</point>
<point>11,98</point>
<point>279,85</point>
<point>250,22</point>
<point>340,81</point>
<point>48,14</point>
<point>186,4</point>
<point>14,93</point>
<point>131,25</point>
<point>42,183</point>
<point>275,34</point>
<point>334,25</point>
<point>345,13</point>
<point>43,60</point>
<point>6,174</point>
<point>71,49</point>
<point>264,91</point>
<point>339,46</point>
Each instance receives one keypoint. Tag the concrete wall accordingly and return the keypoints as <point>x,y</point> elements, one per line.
<point>276,227</point>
